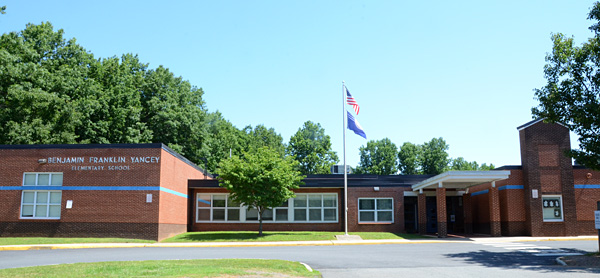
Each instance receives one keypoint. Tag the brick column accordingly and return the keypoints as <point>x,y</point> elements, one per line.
<point>422,213</point>
<point>468,213</point>
<point>440,198</point>
<point>495,228</point>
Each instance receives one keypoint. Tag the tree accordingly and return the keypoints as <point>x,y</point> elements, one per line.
<point>312,149</point>
<point>262,136</point>
<point>3,10</point>
<point>572,95</point>
<point>435,156</point>
<point>260,179</point>
<point>224,139</point>
<point>53,91</point>
<point>379,158</point>
<point>460,164</point>
<point>410,159</point>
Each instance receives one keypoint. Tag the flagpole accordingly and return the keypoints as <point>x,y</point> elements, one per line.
<point>345,172</point>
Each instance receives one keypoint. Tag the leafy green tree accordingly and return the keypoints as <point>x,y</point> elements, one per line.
<point>224,139</point>
<point>261,179</point>
<point>312,149</point>
<point>3,10</point>
<point>460,164</point>
<point>53,91</point>
<point>378,157</point>
<point>261,136</point>
<point>572,95</point>
<point>435,156</point>
<point>410,159</point>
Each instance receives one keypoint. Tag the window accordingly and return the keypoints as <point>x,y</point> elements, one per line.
<point>41,204</point>
<point>552,208</point>
<point>304,208</point>
<point>376,210</point>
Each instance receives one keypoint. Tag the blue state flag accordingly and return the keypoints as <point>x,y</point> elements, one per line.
<point>355,126</point>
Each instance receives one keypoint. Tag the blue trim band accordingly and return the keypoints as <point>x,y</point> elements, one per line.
<point>587,186</point>
<point>173,192</point>
<point>99,188</point>
<point>480,192</point>
<point>511,187</point>
<point>204,201</point>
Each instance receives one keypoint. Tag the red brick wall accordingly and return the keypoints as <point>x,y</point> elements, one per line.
<point>586,199</point>
<point>113,212</point>
<point>549,171</point>
<point>174,175</point>
<point>384,192</point>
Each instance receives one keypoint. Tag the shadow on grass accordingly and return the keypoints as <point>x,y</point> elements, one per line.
<point>521,260</point>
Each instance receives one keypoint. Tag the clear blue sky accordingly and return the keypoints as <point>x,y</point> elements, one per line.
<point>461,70</point>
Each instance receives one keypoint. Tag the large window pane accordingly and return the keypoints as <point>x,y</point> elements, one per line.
<point>219,214</point>
<point>203,215</point>
<point>42,197</point>
<point>43,179</point>
<point>55,197</point>
<point>267,215</point>
<point>281,215</point>
<point>300,201</point>
<point>384,204</point>
<point>366,204</point>
<point>28,197</point>
<point>219,201</point>
<point>57,179</point>
<point>300,215</point>
<point>367,216</point>
<point>252,214</point>
<point>40,211</point>
<point>54,211</point>
<point>233,214</point>
<point>329,201</point>
<point>314,201</point>
<point>27,211</point>
<point>329,215</point>
<point>204,201</point>
<point>29,179</point>
<point>384,216</point>
<point>314,215</point>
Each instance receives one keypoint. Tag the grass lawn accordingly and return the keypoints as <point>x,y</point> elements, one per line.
<point>178,268</point>
<point>277,236</point>
<point>60,240</point>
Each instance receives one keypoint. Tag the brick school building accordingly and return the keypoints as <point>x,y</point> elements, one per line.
<point>149,191</point>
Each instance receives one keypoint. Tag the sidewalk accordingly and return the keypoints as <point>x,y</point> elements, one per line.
<point>288,243</point>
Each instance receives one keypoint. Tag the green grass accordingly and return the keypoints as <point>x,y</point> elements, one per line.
<point>59,240</point>
<point>179,268</point>
<point>277,236</point>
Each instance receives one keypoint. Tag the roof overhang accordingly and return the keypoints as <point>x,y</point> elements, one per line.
<point>461,179</point>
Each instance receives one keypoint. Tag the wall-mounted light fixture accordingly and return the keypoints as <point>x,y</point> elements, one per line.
<point>376,188</point>
<point>42,161</point>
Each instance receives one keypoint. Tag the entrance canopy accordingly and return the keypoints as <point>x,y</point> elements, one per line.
<point>460,179</point>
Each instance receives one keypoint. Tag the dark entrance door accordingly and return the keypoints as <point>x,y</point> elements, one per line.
<point>431,206</point>
<point>411,214</point>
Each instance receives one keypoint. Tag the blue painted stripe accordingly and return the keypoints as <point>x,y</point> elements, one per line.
<point>511,187</point>
<point>480,192</point>
<point>587,186</point>
<point>173,192</point>
<point>99,188</point>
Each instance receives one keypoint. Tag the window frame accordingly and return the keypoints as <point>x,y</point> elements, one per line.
<point>562,216</point>
<point>36,190</point>
<point>290,210</point>
<point>375,210</point>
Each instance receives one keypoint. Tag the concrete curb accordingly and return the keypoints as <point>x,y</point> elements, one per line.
<point>560,261</point>
<point>285,243</point>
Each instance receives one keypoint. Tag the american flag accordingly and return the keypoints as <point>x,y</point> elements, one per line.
<point>351,101</point>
